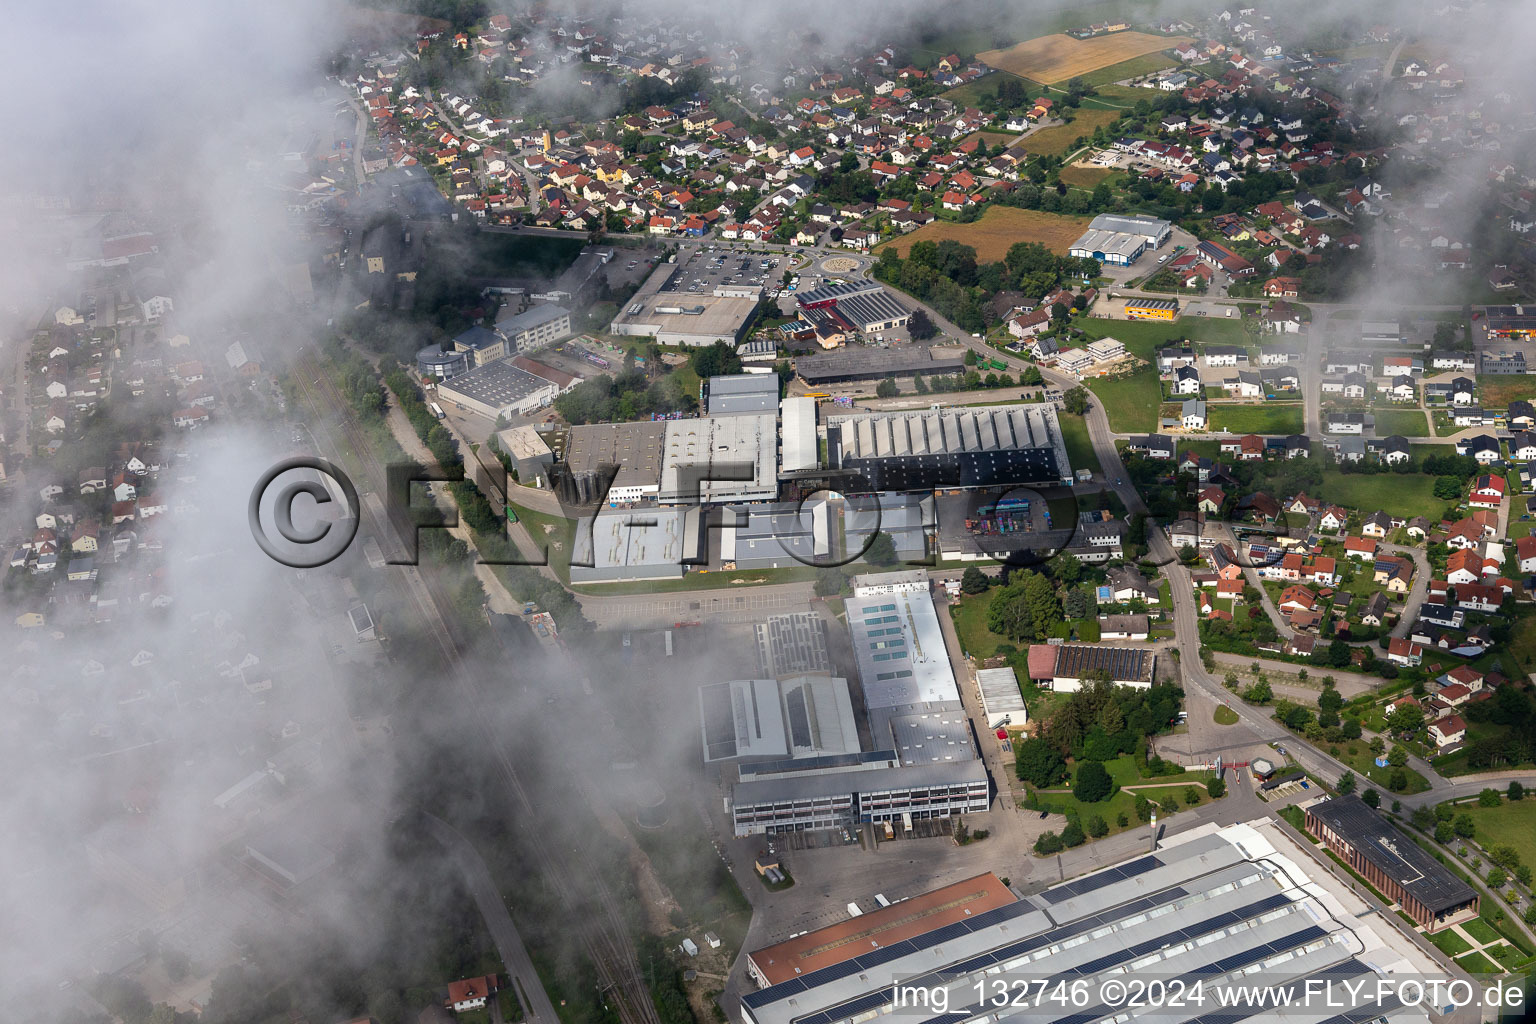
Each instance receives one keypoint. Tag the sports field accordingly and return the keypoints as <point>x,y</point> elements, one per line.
<point>997,229</point>
<point>1056,58</point>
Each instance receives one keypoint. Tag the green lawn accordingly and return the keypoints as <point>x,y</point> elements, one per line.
<point>1257,419</point>
<point>1131,402</point>
<point>1407,422</point>
<point>1133,68</point>
<point>1143,337</point>
<point>1123,802</point>
<point>1357,754</point>
<point>970,617</point>
<point>1476,963</point>
<point>1513,824</point>
<point>1449,943</point>
<point>1225,715</point>
<point>1404,494</point>
<point>1074,431</point>
<point>1480,930</point>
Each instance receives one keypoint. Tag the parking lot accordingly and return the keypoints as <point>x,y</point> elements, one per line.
<point>707,268</point>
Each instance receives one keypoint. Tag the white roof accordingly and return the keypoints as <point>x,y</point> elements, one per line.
<point>900,650</point>
<point>797,425</point>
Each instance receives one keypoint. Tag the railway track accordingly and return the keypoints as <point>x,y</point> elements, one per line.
<point>604,935</point>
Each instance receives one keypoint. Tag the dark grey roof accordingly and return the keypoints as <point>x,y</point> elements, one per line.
<point>1393,852</point>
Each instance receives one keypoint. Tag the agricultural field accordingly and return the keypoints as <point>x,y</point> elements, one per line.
<point>1406,422</point>
<point>997,229</point>
<point>1057,58</point>
<point>1498,391</point>
<point>1256,419</point>
<point>1058,139</point>
<point>1146,64</point>
<point>1085,176</point>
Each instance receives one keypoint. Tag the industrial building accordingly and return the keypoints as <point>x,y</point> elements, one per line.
<point>631,452</point>
<point>910,520</point>
<point>529,451</point>
<point>876,584</point>
<point>862,362</point>
<point>990,446</point>
<point>679,312</point>
<point>1392,862</point>
<point>1065,666</point>
<point>792,644</point>
<point>812,951</point>
<point>498,389</point>
<point>620,545</point>
<point>720,459</point>
<point>535,328</point>
<point>433,361</point>
<point>778,535</point>
<point>839,791</point>
<point>1001,699</point>
<point>1152,309</point>
<point>798,717</point>
<point>740,393</point>
<point>863,306</point>
<point>900,651</point>
<point>1510,322</point>
<point>940,735</point>
<point>799,451</point>
<point>1120,239</point>
<point>481,345</point>
<point>1210,906</point>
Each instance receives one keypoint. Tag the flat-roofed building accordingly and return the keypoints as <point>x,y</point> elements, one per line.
<point>1210,906</point>
<point>797,717</point>
<point>900,651</point>
<point>620,545</point>
<point>496,389</point>
<point>838,943</point>
<point>687,318</point>
<point>534,328</point>
<point>1154,230</point>
<point>529,450</point>
<point>741,393</point>
<point>910,520</point>
<point>792,644</point>
<point>1392,862</point>
<point>720,459</point>
<point>777,535</point>
<point>1001,699</point>
<point>989,446</point>
<point>625,455</point>
<point>862,362</point>
<point>799,450</point>
<point>1152,309</point>
<point>876,584</point>
<point>931,736</point>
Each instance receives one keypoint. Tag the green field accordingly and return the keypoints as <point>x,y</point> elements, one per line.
<point>1225,715</point>
<point>971,625</point>
<point>1131,402</point>
<point>1404,494</point>
<point>1257,419</point>
<point>1123,802</point>
<point>1133,68</point>
<point>1074,431</point>
<point>1498,391</point>
<point>1407,422</point>
<point>1143,337</point>
<point>1513,824</point>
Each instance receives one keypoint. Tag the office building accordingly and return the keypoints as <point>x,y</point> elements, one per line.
<point>535,328</point>
<point>433,361</point>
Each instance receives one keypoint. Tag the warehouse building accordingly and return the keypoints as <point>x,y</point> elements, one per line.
<point>535,328</point>
<point>861,362</point>
<point>798,717</point>
<point>812,951</point>
<point>779,535</point>
<point>792,644</point>
<point>679,313</point>
<point>1392,862</point>
<point>498,389</point>
<point>720,459</point>
<point>851,789</point>
<point>619,463</point>
<point>1113,248</point>
<point>910,520</point>
<point>989,446</point>
<point>530,453</point>
<point>1065,666</point>
<point>799,451</point>
<point>1211,906</point>
<point>1001,699</point>
<point>619,545</point>
<point>740,393</point>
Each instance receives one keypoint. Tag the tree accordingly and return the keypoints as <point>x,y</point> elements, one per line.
<point>1097,827</point>
<point>886,389</point>
<point>1075,401</point>
<point>1024,609</point>
<point>1049,842</point>
<point>1406,719</point>
<point>1397,782</point>
<point>1523,874</point>
<point>921,325</point>
<point>974,581</point>
<point>829,582</point>
<point>1447,488</point>
<point>1143,808</point>
<point>1217,787</point>
<point>1497,878</point>
<point>1346,784</point>
<point>1073,835</point>
<point>1443,832</point>
<point>881,550</point>
<point>1093,783</point>
<point>1488,798</point>
<point>1168,805</point>
<point>1351,728</point>
<point>1464,826</point>
<point>1397,757</point>
<point>1515,792</point>
<point>1260,692</point>
<point>1371,797</point>
<point>1066,568</point>
<point>1038,763</point>
<point>1191,795</point>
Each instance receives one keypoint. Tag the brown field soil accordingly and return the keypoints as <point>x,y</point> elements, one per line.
<point>1056,58</point>
<point>1057,140</point>
<point>1084,175</point>
<point>999,228</point>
